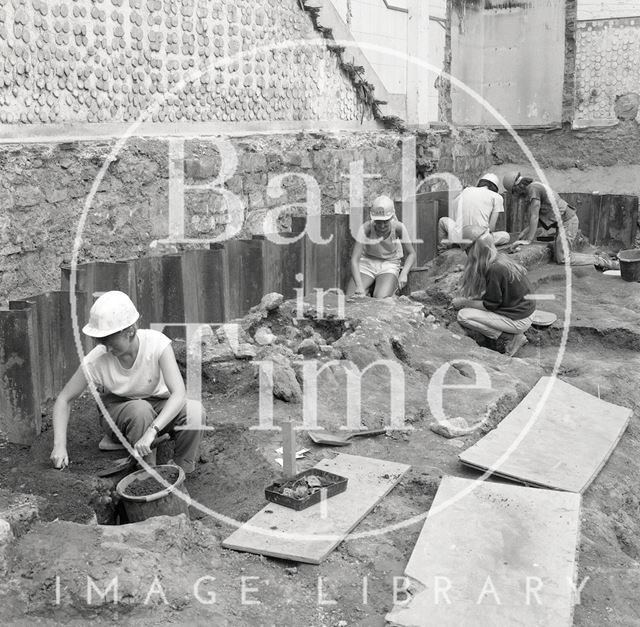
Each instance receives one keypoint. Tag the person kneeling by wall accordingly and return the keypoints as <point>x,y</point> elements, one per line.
<point>376,259</point>
<point>495,290</point>
<point>137,376</point>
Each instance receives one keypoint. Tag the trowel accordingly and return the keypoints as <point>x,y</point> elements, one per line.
<point>541,318</point>
<point>332,439</point>
<point>130,462</point>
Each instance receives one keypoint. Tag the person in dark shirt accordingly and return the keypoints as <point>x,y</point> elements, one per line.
<point>494,292</point>
<point>546,210</point>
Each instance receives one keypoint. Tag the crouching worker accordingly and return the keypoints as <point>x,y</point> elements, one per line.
<point>377,255</point>
<point>495,290</point>
<point>138,379</point>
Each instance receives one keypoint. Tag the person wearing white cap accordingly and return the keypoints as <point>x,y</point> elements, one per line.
<point>138,379</point>
<point>475,206</point>
<point>381,244</point>
<point>495,292</point>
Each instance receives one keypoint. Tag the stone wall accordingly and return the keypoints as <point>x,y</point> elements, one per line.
<point>194,60</point>
<point>44,189</point>
<point>607,66</point>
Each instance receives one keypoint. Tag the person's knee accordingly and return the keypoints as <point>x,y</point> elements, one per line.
<point>465,315</point>
<point>500,238</point>
<point>135,411</point>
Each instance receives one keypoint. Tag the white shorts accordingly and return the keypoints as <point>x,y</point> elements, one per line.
<point>369,266</point>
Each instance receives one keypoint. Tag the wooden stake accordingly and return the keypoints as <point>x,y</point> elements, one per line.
<point>288,450</point>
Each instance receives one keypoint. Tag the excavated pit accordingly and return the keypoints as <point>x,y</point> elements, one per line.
<point>237,460</point>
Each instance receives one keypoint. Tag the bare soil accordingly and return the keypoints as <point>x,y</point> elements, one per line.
<point>354,586</point>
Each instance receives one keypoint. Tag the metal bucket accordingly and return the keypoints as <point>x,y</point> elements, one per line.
<point>164,502</point>
<point>630,265</point>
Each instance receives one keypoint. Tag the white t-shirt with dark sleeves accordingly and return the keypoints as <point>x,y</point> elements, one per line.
<point>142,380</point>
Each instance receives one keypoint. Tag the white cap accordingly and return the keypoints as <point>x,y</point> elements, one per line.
<point>382,208</point>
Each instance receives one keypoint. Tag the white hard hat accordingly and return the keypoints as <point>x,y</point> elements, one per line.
<point>492,178</point>
<point>112,312</point>
<point>382,208</point>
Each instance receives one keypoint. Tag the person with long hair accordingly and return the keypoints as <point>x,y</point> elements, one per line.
<point>376,260</point>
<point>545,211</point>
<point>494,292</point>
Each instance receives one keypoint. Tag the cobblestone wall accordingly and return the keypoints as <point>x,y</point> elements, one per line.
<point>606,66</point>
<point>199,60</point>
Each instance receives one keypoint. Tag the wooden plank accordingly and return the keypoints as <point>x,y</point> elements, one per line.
<point>148,296</point>
<point>244,263</point>
<point>158,292</point>
<point>499,555</point>
<point>617,221</point>
<point>53,336</point>
<point>281,263</point>
<point>537,452</point>
<point>320,261</point>
<point>310,535</point>
<point>587,207</point>
<point>204,279</point>
<point>173,307</point>
<point>430,207</point>
<point>344,247</point>
<point>515,213</point>
<point>20,412</point>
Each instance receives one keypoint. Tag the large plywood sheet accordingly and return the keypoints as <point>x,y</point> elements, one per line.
<point>311,534</point>
<point>512,55</point>
<point>493,555</point>
<point>564,447</point>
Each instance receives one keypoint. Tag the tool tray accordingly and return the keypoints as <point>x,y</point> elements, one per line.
<point>330,483</point>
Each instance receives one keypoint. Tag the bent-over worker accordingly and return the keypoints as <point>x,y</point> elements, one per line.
<point>138,379</point>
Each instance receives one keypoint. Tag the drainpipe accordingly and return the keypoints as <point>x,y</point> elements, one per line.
<point>418,78</point>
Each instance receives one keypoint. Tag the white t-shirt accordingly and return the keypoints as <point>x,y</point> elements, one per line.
<point>142,380</point>
<point>475,205</point>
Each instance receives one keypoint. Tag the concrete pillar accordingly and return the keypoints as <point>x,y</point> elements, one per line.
<point>419,79</point>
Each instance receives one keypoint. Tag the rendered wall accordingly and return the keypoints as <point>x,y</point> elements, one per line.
<point>384,23</point>
<point>607,66</point>
<point>511,54</point>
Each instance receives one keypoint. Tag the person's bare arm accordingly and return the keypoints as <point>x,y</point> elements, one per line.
<point>529,234</point>
<point>61,409</point>
<point>355,267</point>
<point>175,402</point>
<point>498,208</point>
<point>409,257</point>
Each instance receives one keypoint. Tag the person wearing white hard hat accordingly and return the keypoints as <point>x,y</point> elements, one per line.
<point>138,379</point>
<point>376,260</point>
<point>475,206</point>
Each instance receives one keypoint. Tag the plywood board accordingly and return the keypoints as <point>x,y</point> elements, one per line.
<point>311,534</point>
<point>563,448</point>
<point>493,554</point>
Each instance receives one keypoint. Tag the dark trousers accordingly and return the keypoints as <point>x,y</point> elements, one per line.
<point>133,418</point>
